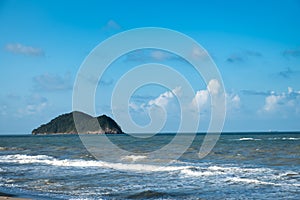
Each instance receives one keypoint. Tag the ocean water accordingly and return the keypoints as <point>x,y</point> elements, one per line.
<point>241,166</point>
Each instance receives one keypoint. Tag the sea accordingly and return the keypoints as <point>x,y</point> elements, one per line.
<point>240,166</point>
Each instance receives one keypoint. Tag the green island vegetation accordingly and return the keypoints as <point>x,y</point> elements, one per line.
<point>85,124</point>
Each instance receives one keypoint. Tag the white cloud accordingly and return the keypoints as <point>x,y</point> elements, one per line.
<point>202,97</point>
<point>271,102</point>
<point>111,27</point>
<point>163,99</point>
<point>290,90</point>
<point>236,99</point>
<point>135,107</point>
<point>33,109</point>
<point>152,55</point>
<point>213,87</point>
<point>52,82</point>
<point>35,104</point>
<point>3,110</point>
<point>159,55</point>
<point>200,102</point>
<point>285,103</point>
<point>198,53</point>
<point>233,102</point>
<point>23,49</point>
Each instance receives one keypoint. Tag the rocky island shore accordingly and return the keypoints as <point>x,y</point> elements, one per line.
<point>85,124</point>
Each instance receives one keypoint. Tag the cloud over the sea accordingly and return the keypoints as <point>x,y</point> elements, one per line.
<point>35,104</point>
<point>52,82</point>
<point>111,27</point>
<point>291,53</point>
<point>243,56</point>
<point>18,48</point>
<point>282,103</point>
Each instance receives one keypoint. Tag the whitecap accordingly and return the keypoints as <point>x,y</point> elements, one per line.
<point>284,138</point>
<point>248,180</point>
<point>247,139</point>
<point>290,138</point>
<point>133,158</point>
<point>198,172</point>
<point>48,160</point>
<point>10,148</point>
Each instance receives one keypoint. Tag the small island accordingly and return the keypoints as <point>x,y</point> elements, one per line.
<point>86,124</point>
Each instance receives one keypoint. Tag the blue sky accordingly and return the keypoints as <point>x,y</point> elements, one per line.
<point>256,46</point>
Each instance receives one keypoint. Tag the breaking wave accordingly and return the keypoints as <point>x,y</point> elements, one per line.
<point>49,160</point>
<point>248,139</point>
<point>227,174</point>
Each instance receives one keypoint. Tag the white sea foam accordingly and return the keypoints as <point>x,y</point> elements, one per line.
<point>290,138</point>
<point>248,181</point>
<point>133,158</point>
<point>2,148</point>
<point>185,169</point>
<point>9,148</point>
<point>233,169</point>
<point>290,173</point>
<point>196,173</point>
<point>48,160</point>
<point>272,138</point>
<point>2,180</point>
<point>248,139</point>
<point>218,170</point>
<point>284,138</point>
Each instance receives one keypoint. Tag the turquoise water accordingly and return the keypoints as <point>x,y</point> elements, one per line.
<point>241,166</point>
